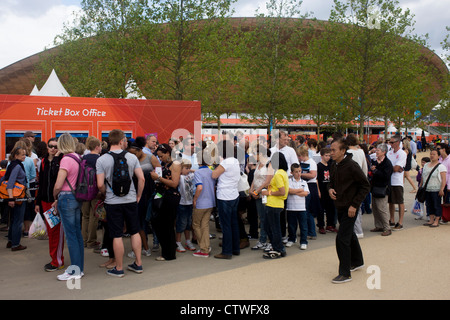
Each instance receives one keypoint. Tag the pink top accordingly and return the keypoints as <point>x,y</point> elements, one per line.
<point>72,167</point>
<point>446,163</point>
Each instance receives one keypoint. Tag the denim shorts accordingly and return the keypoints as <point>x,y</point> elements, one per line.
<point>184,218</point>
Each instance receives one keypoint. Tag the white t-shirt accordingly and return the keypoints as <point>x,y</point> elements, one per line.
<point>289,153</point>
<point>308,166</point>
<point>227,183</point>
<point>360,158</point>
<point>295,202</point>
<point>397,159</point>
<point>434,184</point>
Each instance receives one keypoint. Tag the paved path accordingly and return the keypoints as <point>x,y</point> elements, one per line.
<point>412,264</point>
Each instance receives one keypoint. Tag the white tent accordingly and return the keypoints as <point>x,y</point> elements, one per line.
<point>35,91</point>
<point>53,87</point>
<point>132,90</point>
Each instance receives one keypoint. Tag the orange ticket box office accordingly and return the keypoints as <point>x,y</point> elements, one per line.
<point>51,116</point>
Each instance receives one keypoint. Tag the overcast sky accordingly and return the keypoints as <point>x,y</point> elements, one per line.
<point>28,26</point>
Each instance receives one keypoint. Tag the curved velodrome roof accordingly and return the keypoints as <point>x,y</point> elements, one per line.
<point>18,78</point>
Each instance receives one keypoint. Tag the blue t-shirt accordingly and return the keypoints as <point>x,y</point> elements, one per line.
<point>207,198</point>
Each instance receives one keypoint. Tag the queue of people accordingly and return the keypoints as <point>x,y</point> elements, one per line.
<point>175,188</point>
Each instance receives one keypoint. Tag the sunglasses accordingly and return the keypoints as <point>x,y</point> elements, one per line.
<point>52,147</point>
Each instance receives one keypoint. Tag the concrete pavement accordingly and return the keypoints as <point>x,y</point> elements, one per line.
<point>410,264</point>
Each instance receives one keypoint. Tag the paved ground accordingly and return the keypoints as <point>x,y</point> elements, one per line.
<point>409,264</point>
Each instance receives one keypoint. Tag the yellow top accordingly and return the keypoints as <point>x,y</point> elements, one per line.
<point>280,179</point>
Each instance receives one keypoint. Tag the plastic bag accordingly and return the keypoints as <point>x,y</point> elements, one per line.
<point>417,209</point>
<point>38,230</point>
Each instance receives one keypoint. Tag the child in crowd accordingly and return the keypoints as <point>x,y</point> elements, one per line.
<point>326,203</point>
<point>204,202</point>
<point>420,215</point>
<point>296,207</point>
<point>184,212</point>
<point>309,173</point>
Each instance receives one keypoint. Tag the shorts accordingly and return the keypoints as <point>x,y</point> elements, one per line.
<point>118,214</point>
<point>396,195</point>
<point>184,218</point>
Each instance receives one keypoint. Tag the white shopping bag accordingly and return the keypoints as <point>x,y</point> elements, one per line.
<point>38,230</point>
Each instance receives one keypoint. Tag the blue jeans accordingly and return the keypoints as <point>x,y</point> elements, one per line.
<point>261,208</point>
<point>70,211</point>
<point>15,231</point>
<point>228,216</point>
<point>273,228</point>
<point>300,217</point>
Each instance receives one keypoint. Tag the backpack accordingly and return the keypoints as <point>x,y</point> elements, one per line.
<point>121,180</point>
<point>86,189</point>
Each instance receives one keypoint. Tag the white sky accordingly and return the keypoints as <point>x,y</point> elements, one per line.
<point>27,27</point>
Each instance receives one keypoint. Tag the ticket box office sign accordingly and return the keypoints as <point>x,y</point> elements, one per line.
<point>49,116</point>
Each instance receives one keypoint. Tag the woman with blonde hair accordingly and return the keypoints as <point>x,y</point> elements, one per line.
<point>68,207</point>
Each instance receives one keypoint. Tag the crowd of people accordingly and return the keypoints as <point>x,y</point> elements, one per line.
<point>172,190</point>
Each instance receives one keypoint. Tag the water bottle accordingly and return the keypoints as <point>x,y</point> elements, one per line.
<point>263,197</point>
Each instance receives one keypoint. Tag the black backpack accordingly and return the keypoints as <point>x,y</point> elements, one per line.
<point>121,180</point>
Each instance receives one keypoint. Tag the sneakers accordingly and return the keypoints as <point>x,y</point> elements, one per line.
<point>200,254</point>
<point>49,267</point>
<point>190,246</point>
<point>322,230</point>
<point>398,227</point>
<point>180,247</point>
<point>331,229</point>
<point>356,268</point>
<point>135,268</point>
<point>104,253</point>
<point>272,254</point>
<point>259,246</point>
<point>341,279</point>
<point>67,276</point>
<point>303,246</point>
<point>115,273</point>
<point>289,244</point>
<point>146,253</point>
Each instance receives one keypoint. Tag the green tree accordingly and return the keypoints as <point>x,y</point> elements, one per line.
<point>369,58</point>
<point>100,50</point>
<point>271,85</point>
<point>184,41</point>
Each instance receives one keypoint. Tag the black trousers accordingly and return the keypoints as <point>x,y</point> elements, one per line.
<point>347,245</point>
<point>164,225</point>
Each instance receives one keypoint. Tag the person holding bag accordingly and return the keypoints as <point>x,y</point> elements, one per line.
<point>434,175</point>
<point>381,171</point>
<point>15,173</point>
<point>49,168</point>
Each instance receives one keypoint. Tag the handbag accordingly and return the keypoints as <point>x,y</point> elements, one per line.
<point>19,190</point>
<point>421,191</point>
<point>379,192</point>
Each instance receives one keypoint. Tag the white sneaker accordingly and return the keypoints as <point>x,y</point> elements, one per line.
<point>303,246</point>
<point>285,240</point>
<point>66,276</point>
<point>360,235</point>
<point>104,253</point>
<point>289,244</point>
<point>259,246</point>
<point>131,255</point>
<point>147,253</point>
<point>180,247</point>
<point>190,246</point>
